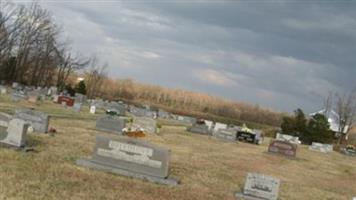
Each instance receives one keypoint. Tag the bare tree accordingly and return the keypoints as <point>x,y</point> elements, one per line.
<point>95,77</point>
<point>346,109</point>
<point>68,65</point>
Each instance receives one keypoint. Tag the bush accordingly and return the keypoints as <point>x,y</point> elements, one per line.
<point>81,88</point>
<point>317,129</point>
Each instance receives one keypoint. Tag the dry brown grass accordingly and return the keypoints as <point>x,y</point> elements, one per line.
<point>208,168</point>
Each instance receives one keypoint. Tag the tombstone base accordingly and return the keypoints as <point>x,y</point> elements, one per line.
<point>241,196</point>
<point>22,148</point>
<point>94,165</point>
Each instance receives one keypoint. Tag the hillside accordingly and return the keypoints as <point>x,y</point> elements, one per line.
<point>209,169</point>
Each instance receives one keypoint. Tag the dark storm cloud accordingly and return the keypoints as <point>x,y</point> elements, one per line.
<point>280,54</point>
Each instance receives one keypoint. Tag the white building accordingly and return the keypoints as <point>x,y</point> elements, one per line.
<point>333,119</point>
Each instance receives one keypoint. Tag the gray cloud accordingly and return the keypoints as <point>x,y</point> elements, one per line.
<point>279,54</point>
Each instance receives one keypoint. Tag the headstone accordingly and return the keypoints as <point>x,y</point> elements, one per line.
<point>32,99</point>
<point>67,100</point>
<point>18,96</point>
<point>226,134</point>
<point>3,90</point>
<point>77,107</point>
<point>324,148</point>
<point>209,124</point>
<point>52,91</point>
<point>80,98</point>
<point>219,126</point>
<point>283,147</point>
<point>163,114</point>
<point>288,138</point>
<point>38,121</point>
<point>15,134</point>
<point>349,151</point>
<point>131,157</point>
<point>259,186</point>
<point>15,85</point>
<point>92,109</point>
<point>200,129</point>
<point>112,124</point>
<point>55,98</point>
<point>138,112</point>
<point>148,125</point>
<point>252,136</point>
<point>4,119</point>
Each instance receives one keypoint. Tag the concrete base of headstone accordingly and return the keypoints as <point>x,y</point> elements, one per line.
<point>22,148</point>
<point>93,165</point>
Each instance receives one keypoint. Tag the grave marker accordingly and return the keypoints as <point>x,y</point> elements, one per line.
<point>112,124</point>
<point>149,125</point>
<point>15,134</point>
<point>288,138</point>
<point>259,186</point>
<point>38,120</point>
<point>283,147</point>
<point>131,157</point>
<point>92,109</point>
<point>77,107</point>
<point>324,148</point>
<point>226,134</point>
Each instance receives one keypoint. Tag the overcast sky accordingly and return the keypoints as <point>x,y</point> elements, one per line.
<point>278,54</point>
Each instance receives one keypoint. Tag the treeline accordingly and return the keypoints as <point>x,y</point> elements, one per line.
<point>33,50</point>
<point>186,102</point>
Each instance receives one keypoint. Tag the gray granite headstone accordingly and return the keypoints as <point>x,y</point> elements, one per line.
<point>4,119</point>
<point>226,134</point>
<point>15,134</point>
<point>149,125</point>
<point>259,186</point>
<point>38,120</point>
<point>112,124</point>
<point>77,107</point>
<point>3,90</point>
<point>18,96</point>
<point>288,138</point>
<point>131,157</point>
<point>163,114</point>
<point>80,98</point>
<point>324,148</point>
<point>200,129</point>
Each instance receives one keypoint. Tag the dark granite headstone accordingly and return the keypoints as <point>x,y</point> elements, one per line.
<point>283,147</point>
<point>131,157</point>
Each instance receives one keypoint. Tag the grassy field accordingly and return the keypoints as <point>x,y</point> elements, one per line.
<point>209,169</point>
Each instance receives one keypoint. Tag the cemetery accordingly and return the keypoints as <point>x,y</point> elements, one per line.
<point>89,153</point>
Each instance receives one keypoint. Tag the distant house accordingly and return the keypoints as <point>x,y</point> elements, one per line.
<point>333,119</point>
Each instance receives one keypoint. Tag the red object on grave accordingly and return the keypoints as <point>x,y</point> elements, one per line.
<point>68,100</point>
